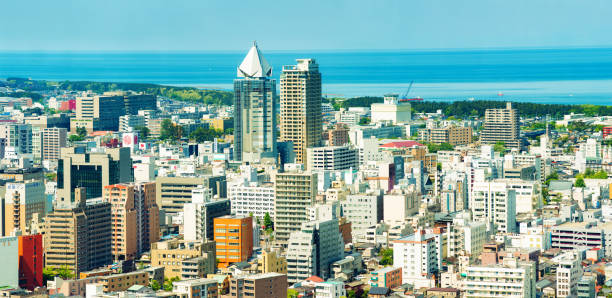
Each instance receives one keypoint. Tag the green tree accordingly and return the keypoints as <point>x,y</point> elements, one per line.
<point>386,256</point>
<point>81,131</point>
<point>579,182</point>
<point>364,121</point>
<point>170,131</point>
<point>75,138</point>
<point>202,134</point>
<point>268,223</point>
<point>291,293</point>
<point>143,131</point>
<point>155,285</point>
<point>169,283</point>
<point>552,176</point>
<point>499,147</point>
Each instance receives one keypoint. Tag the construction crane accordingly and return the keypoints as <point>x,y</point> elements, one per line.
<point>404,97</point>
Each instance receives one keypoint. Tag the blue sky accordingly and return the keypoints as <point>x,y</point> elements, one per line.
<point>213,25</point>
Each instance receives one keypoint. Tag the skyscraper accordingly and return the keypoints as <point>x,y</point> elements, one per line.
<point>502,125</point>
<point>300,105</point>
<point>254,109</point>
<point>295,192</point>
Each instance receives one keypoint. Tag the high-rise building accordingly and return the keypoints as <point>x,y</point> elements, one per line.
<point>338,136</point>
<point>454,135</point>
<point>123,221</point>
<point>147,214</point>
<point>31,261</point>
<point>252,198</point>
<point>137,102</point>
<point>9,257</point>
<point>495,204</point>
<point>98,112</point>
<point>234,238</point>
<point>300,104</point>
<point>313,249</point>
<point>53,139</point>
<point>332,158</point>
<point>18,136</point>
<point>199,215</point>
<point>21,201</point>
<point>569,273</point>
<point>417,255</point>
<point>502,125</point>
<point>295,192</point>
<point>174,192</point>
<point>128,122</point>
<point>259,285</point>
<point>254,110</point>
<point>362,211</point>
<point>78,236</point>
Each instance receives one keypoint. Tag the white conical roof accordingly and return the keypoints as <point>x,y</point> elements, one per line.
<point>254,65</point>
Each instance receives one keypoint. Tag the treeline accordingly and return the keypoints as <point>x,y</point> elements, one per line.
<point>464,109</point>
<point>190,94</point>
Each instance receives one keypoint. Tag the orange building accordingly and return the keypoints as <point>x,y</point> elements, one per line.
<point>234,239</point>
<point>124,245</point>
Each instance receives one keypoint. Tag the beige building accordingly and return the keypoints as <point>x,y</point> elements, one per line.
<point>271,261</point>
<point>170,254</point>
<point>79,236</point>
<point>22,201</point>
<point>122,282</point>
<point>98,112</point>
<point>53,139</point>
<point>502,125</point>
<point>174,192</point>
<point>300,106</point>
<point>123,221</point>
<point>454,135</point>
<point>295,192</point>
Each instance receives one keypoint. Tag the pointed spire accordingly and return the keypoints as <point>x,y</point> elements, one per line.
<point>254,64</point>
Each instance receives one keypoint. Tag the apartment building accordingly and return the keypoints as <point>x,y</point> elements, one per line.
<point>509,279</point>
<point>53,139</point>
<point>271,261</point>
<point>234,238</point>
<point>252,198</point>
<point>295,192</point>
<point>262,285</point>
<point>170,254</point>
<point>388,277</point>
<point>454,135</point>
<point>332,158</point>
<point>128,123</point>
<point>300,107</point>
<point>569,273</point>
<point>196,288</point>
<point>502,125</point>
<point>22,200</point>
<point>199,215</point>
<point>362,211</point>
<point>495,204</point>
<point>123,223</point>
<point>338,136</point>
<point>18,136</point>
<point>417,255</point>
<point>123,281</point>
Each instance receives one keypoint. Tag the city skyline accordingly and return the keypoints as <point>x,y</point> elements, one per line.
<point>345,25</point>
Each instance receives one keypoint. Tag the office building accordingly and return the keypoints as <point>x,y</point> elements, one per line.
<point>53,139</point>
<point>22,201</point>
<point>391,109</point>
<point>133,103</point>
<point>196,288</point>
<point>174,192</point>
<point>495,204</point>
<point>255,110</point>
<point>170,254</point>
<point>98,112</point>
<point>362,211</point>
<point>92,171</point>
<point>417,255</point>
<point>502,125</point>
<point>129,123</point>
<point>295,192</point>
<point>18,136</point>
<point>300,104</point>
<point>79,236</point>
<point>234,238</point>
<point>31,261</point>
<point>509,279</point>
<point>263,285</point>
<point>313,249</point>
<point>199,215</point>
<point>454,135</point>
<point>332,158</point>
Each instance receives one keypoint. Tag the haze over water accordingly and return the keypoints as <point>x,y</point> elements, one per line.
<point>568,76</point>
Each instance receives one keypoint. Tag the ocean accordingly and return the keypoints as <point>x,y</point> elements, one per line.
<point>567,76</point>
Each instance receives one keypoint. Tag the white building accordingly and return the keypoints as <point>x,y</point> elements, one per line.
<point>330,289</point>
<point>510,279</point>
<point>18,136</point>
<point>313,249</point>
<point>362,211</point>
<point>128,123</point>
<point>332,158</point>
<point>194,288</point>
<point>253,198</point>
<point>399,204</point>
<point>528,195</point>
<point>495,204</point>
<point>464,235</point>
<point>198,216</point>
<point>417,256</point>
<point>391,110</point>
<point>569,273</point>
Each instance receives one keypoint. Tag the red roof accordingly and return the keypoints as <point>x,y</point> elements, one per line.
<point>315,278</point>
<point>402,144</point>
